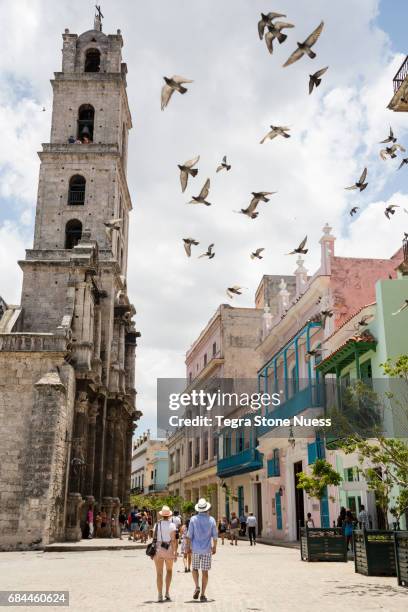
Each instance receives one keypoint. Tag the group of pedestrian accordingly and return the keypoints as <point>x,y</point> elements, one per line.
<point>198,539</point>
<point>237,526</point>
<point>348,522</point>
<point>138,523</point>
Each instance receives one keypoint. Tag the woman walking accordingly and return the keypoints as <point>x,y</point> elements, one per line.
<point>223,528</point>
<point>183,548</point>
<point>164,533</point>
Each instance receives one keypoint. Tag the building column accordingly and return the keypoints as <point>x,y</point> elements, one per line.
<point>130,427</point>
<point>90,464</point>
<point>79,444</point>
<point>109,450</point>
<point>117,445</point>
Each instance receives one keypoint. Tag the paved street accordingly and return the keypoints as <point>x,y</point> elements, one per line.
<point>242,579</point>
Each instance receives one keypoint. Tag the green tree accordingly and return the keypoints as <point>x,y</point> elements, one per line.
<point>322,475</point>
<point>387,457</point>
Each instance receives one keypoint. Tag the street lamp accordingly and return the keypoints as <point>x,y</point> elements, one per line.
<point>291,439</point>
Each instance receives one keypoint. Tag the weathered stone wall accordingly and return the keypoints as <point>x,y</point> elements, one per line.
<point>36,412</point>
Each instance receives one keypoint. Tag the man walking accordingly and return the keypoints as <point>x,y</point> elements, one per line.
<point>364,518</point>
<point>251,524</point>
<point>234,528</point>
<point>201,539</point>
<point>243,523</point>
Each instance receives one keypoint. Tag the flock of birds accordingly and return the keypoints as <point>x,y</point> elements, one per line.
<point>271,30</point>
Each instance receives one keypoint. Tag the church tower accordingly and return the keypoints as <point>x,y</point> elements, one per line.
<point>74,304</point>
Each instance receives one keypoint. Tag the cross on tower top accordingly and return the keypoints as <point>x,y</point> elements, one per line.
<point>98,18</point>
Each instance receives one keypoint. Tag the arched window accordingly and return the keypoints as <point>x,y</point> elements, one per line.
<point>73,233</point>
<point>92,60</point>
<point>76,192</point>
<point>86,115</point>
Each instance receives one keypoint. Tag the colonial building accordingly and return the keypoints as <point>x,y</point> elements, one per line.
<point>294,343</point>
<point>224,350</point>
<point>67,352</point>
<point>149,465</point>
<point>399,101</point>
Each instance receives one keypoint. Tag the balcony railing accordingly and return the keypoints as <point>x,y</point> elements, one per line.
<point>155,488</point>
<point>310,397</point>
<point>240,463</point>
<point>401,75</point>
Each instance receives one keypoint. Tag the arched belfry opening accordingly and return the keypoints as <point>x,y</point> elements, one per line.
<point>76,191</point>
<point>86,117</point>
<point>92,60</point>
<point>73,233</point>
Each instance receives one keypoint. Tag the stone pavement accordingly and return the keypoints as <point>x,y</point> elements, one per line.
<point>95,544</point>
<point>260,578</point>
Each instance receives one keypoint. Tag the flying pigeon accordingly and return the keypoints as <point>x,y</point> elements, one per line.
<point>404,161</point>
<point>315,80</point>
<point>354,210</point>
<point>257,254</point>
<point>188,242</point>
<point>401,308</point>
<point>391,151</point>
<point>266,20</point>
<point>390,210</point>
<point>200,199</point>
<point>364,321</point>
<point>186,169</point>
<point>111,226</point>
<point>223,165</point>
<point>258,196</point>
<point>235,290</point>
<point>325,314</point>
<point>360,184</point>
<point>305,46</point>
<point>172,84</point>
<point>390,138</point>
<point>276,130</point>
<point>209,252</point>
<point>275,31</point>
<point>301,248</point>
<point>317,352</point>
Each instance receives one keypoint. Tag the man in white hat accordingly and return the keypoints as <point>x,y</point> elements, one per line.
<point>202,540</point>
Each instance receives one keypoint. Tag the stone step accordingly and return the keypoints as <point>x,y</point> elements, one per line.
<point>93,545</point>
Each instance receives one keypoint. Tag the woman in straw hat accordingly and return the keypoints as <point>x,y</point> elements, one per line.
<point>166,550</point>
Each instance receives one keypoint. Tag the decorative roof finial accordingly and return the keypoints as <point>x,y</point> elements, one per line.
<point>98,18</point>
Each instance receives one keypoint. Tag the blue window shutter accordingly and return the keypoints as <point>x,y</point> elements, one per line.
<point>311,452</point>
<point>278,509</point>
<point>324,511</point>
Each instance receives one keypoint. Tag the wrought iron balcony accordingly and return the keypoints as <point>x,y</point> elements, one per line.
<point>310,397</point>
<point>401,75</point>
<point>240,463</point>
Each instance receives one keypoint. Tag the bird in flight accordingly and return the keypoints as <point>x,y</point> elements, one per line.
<point>315,80</point>
<point>224,165</point>
<point>258,196</point>
<point>200,199</point>
<point>390,138</point>
<point>360,184</point>
<point>276,130</point>
<point>401,308</point>
<point>186,169</point>
<point>235,290</point>
<point>267,19</point>
<point>209,252</point>
<point>305,46</point>
<point>364,321</point>
<point>404,161</point>
<point>390,210</point>
<point>300,249</point>
<point>317,352</point>
<point>188,242</point>
<point>172,84</point>
<point>111,226</point>
<point>354,210</point>
<point>275,31</point>
<point>257,254</point>
<point>391,151</point>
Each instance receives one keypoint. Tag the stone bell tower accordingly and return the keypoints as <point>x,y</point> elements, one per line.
<point>74,305</point>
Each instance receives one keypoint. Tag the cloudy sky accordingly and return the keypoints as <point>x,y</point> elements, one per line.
<point>238,91</point>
